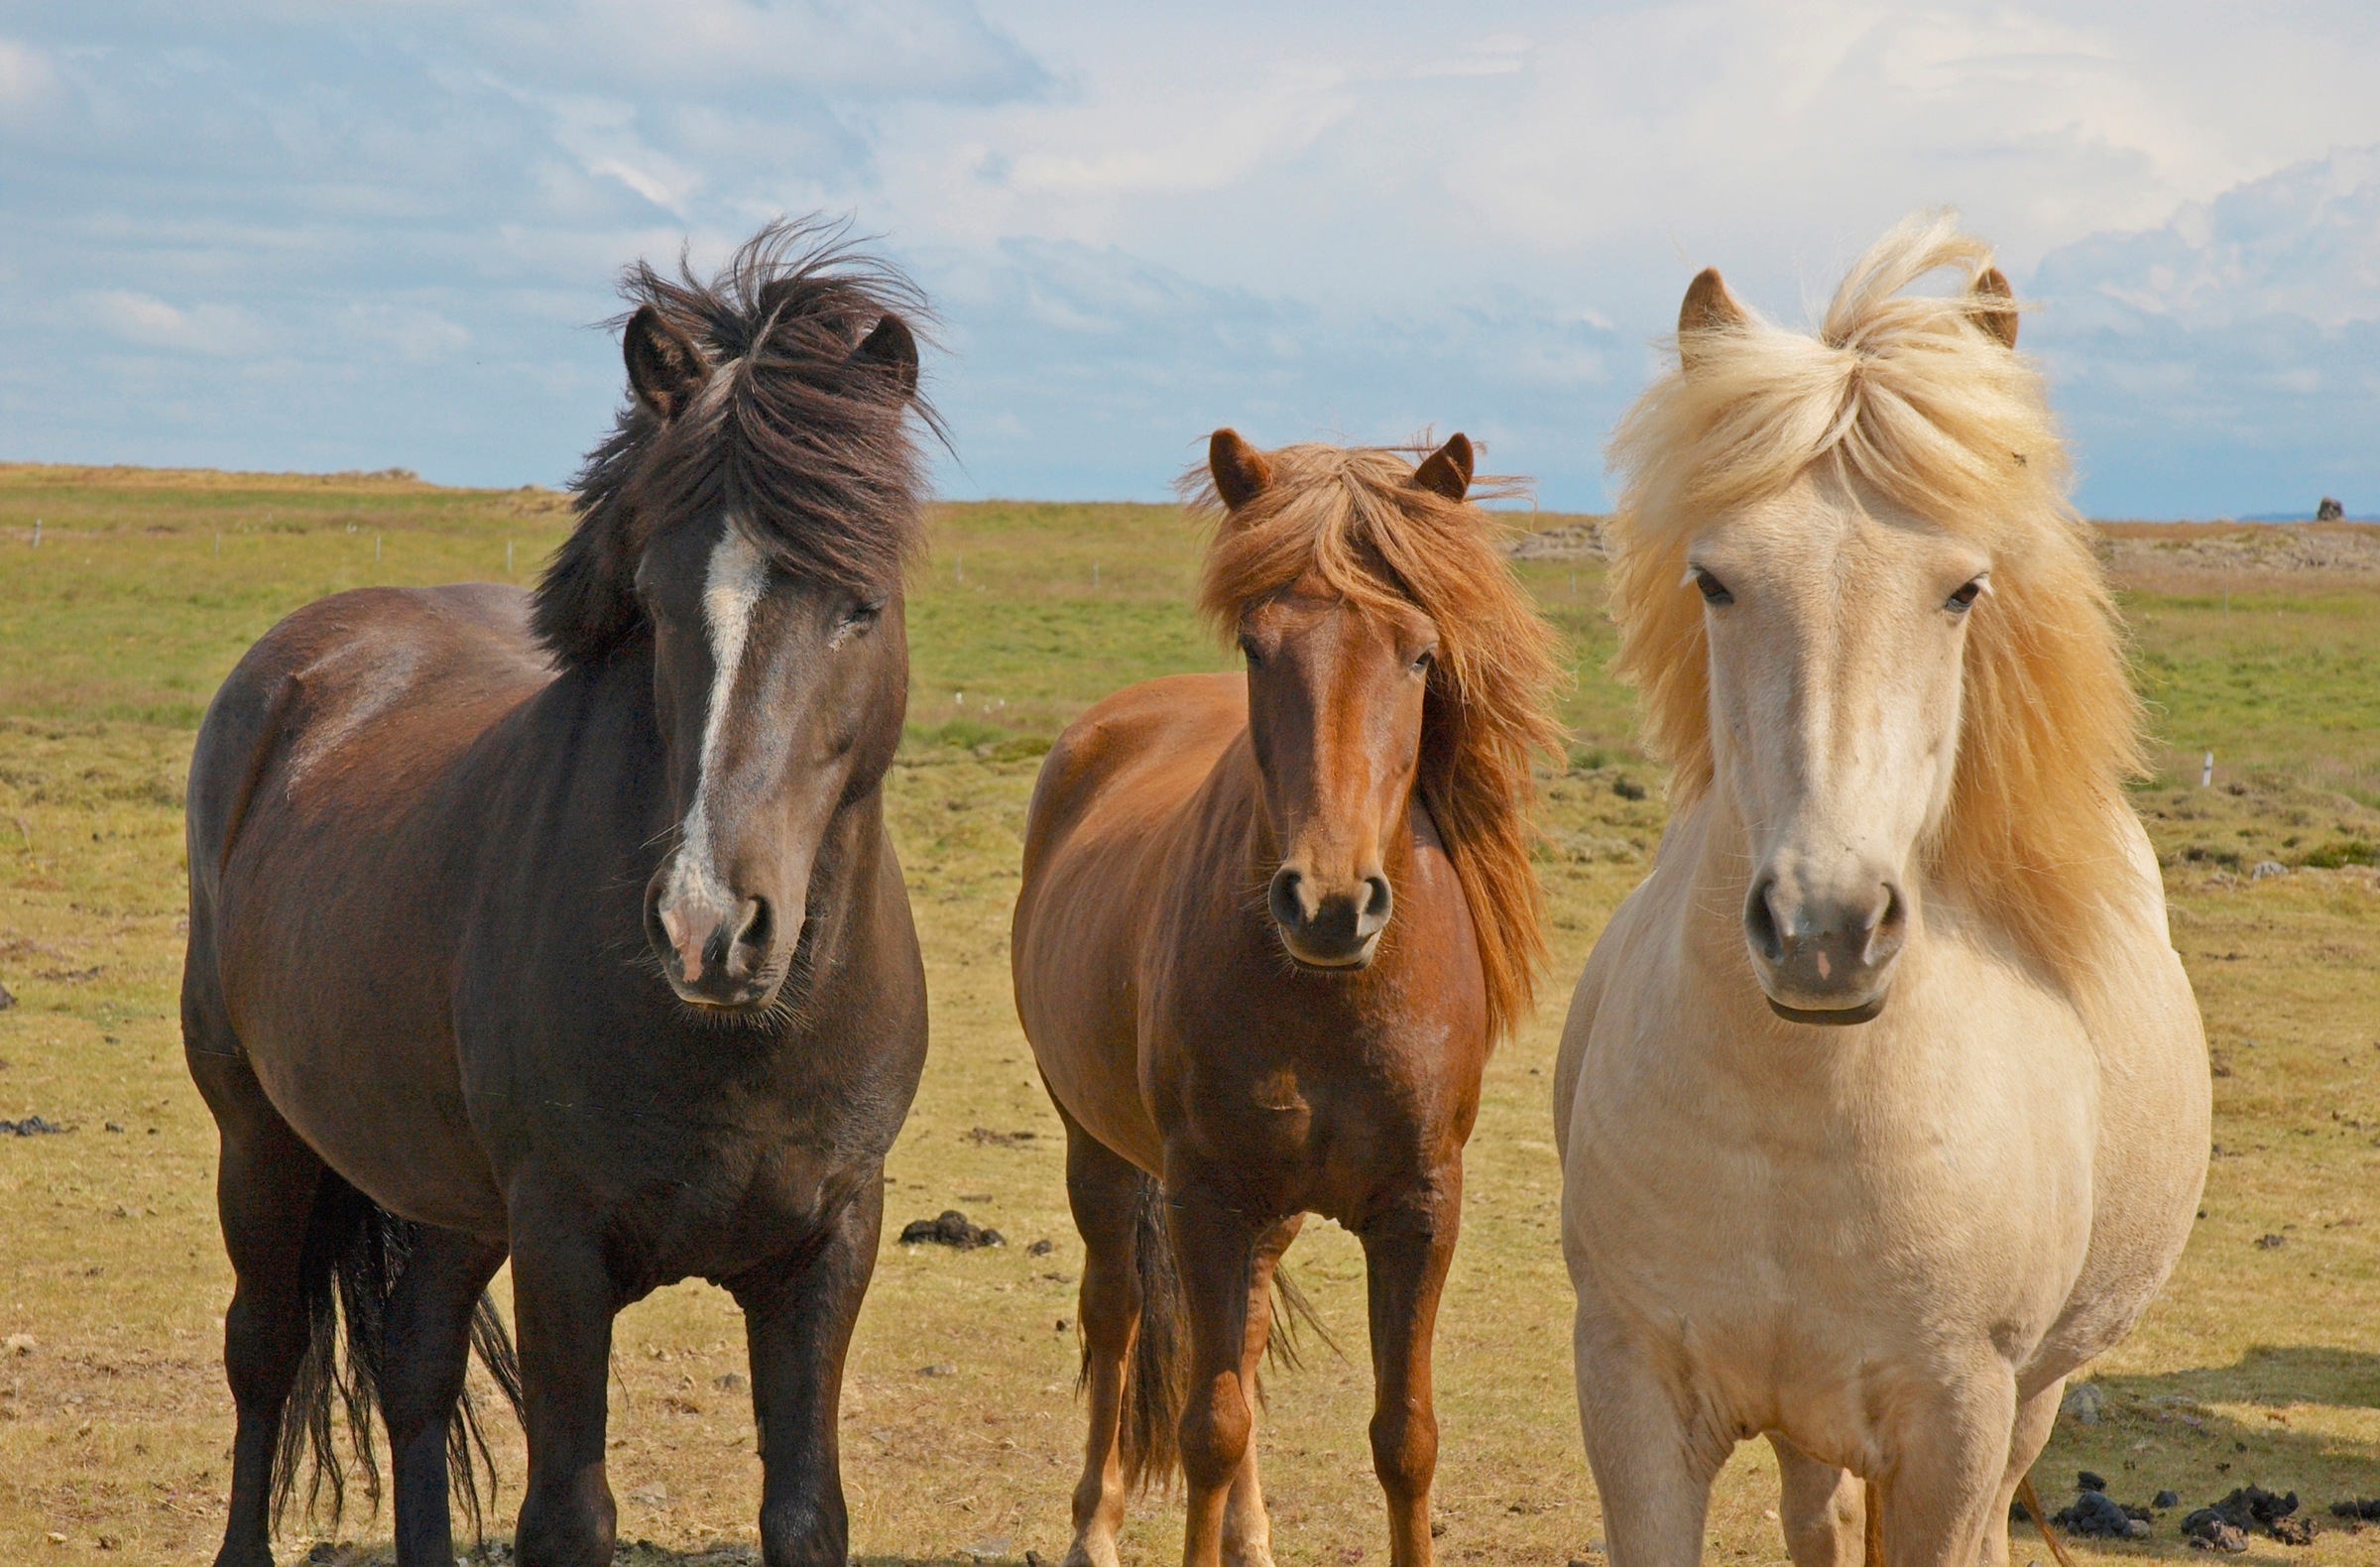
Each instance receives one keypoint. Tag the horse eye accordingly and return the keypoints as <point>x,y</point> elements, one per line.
<point>1427,660</point>
<point>863,615</point>
<point>1247,651</point>
<point>1965,596</point>
<point>1713,591</point>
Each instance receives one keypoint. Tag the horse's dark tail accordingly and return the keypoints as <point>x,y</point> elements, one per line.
<point>1158,1382</point>
<point>355,1252</point>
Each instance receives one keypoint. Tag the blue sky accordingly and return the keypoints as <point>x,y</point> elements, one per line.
<point>276,234</point>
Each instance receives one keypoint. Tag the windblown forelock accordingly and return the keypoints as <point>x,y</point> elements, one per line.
<point>808,442</point>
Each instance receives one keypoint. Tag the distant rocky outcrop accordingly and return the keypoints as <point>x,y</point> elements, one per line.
<point>1578,539</point>
<point>2330,511</point>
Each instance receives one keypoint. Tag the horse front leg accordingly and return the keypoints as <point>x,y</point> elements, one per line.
<point>1950,1460</point>
<point>1216,1252</point>
<point>563,1303</point>
<point>1407,1249</point>
<point>1652,1466</point>
<point>798,1314</point>
<point>1247,1526</point>
<point>1823,1509</point>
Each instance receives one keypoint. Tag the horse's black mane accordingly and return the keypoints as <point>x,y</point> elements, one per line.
<point>809,446</point>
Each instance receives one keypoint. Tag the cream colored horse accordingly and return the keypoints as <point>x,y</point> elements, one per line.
<point>1883,1102</point>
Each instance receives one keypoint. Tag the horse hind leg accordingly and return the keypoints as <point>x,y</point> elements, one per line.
<point>1824,1509</point>
<point>1109,1196</point>
<point>269,1190</point>
<point>426,1336</point>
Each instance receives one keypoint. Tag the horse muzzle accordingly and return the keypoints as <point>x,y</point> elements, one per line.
<point>1335,929</point>
<point>716,952</point>
<point>1824,959</point>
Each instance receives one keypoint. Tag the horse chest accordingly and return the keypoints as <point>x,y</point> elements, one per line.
<point>1775,1246</point>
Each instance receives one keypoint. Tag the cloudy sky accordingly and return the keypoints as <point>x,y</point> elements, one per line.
<point>271,233</point>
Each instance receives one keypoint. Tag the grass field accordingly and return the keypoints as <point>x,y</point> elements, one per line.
<point>2262,1362</point>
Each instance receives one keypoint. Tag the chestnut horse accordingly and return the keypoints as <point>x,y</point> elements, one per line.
<point>1883,1102</point>
<point>567,929</point>
<point>1270,929</point>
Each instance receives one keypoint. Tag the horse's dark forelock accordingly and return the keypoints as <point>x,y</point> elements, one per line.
<point>809,446</point>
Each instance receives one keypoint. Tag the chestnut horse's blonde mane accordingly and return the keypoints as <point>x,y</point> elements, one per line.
<point>1913,399</point>
<point>1353,517</point>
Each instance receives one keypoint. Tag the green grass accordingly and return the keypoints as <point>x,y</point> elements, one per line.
<point>2258,1364</point>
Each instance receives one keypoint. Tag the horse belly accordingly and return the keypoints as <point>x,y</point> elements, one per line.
<point>356,1051</point>
<point>1076,996</point>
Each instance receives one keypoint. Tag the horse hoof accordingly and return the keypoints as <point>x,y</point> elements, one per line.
<point>1092,1551</point>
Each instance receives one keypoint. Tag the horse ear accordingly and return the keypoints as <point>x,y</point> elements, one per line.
<point>1997,319</point>
<point>1240,471</point>
<point>663,365</point>
<point>893,345</point>
<point>1448,469</point>
<point>1709,307</point>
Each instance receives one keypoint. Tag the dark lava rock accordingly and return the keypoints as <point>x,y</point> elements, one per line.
<point>2249,1509</point>
<point>2255,1505</point>
<point>953,1229</point>
<point>2367,1510</point>
<point>1041,1249</point>
<point>2094,1516</point>
<point>2086,1481</point>
<point>30,1127</point>
<point>2293,1530</point>
<point>6,1000</point>
<point>2167,1499</point>
<point>2206,1532</point>
<point>1627,788</point>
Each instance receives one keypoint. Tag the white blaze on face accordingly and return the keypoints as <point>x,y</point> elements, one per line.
<point>732,586</point>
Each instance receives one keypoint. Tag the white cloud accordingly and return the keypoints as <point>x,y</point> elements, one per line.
<point>29,83</point>
<point>415,335</point>
<point>2228,360</point>
<point>146,321</point>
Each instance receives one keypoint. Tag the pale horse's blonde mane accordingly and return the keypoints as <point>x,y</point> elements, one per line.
<point>1915,398</point>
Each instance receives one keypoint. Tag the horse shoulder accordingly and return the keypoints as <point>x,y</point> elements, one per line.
<point>1617,962</point>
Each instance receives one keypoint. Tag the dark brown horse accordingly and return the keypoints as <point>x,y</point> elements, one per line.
<point>565,927</point>
<point>1270,929</point>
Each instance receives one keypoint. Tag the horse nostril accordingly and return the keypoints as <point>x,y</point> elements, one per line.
<point>1285,896</point>
<point>755,928</point>
<point>1891,928</point>
<point>1378,901</point>
<point>1760,921</point>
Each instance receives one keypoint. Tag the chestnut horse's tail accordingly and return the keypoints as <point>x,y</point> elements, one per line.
<point>355,1252</point>
<point>1158,1382</point>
